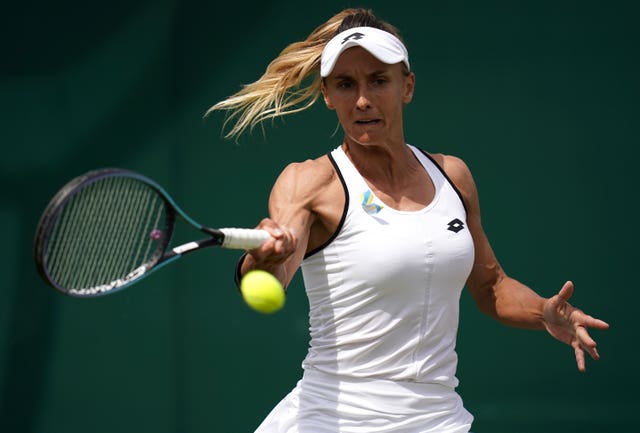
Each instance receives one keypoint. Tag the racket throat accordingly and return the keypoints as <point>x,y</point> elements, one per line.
<point>192,246</point>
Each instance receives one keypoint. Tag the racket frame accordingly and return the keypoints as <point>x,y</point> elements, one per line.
<point>162,254</point>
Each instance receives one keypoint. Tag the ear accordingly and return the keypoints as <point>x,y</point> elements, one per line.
<point>325,96</point>
<point>409,86</point>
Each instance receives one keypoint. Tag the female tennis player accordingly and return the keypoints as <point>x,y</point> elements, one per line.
<point>386,235</point>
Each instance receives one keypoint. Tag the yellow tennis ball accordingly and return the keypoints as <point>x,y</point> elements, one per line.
<point>262,291</point>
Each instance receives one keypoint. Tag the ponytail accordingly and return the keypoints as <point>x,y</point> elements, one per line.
<point>281,90</point>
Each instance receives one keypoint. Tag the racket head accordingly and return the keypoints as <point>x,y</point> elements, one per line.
<point>103,231</point>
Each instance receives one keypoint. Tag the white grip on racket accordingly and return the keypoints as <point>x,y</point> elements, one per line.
<point>243,239</point>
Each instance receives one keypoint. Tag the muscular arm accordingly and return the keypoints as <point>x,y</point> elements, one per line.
<point>496,294</point>
<point>509,301</point>
<point>294,205</point>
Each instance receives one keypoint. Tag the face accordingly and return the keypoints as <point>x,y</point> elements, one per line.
<point>368,97</point>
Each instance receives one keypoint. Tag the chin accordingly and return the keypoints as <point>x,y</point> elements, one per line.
<point>368,140</point>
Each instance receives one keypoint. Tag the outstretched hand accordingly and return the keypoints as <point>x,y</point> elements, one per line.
<point>569,325</point>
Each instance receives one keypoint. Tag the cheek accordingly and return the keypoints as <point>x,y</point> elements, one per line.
<point>342,106</point>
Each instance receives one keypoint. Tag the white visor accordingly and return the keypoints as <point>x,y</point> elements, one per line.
<point>382,45</point>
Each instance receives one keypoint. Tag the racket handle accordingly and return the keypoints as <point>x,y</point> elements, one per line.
<point>243,239</point>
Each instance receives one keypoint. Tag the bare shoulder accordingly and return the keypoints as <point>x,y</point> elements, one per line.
<point>318,168</point>
<point>304,181</point>
<point>459,173</point>
<point>457,170</point>
<point>307,175</point>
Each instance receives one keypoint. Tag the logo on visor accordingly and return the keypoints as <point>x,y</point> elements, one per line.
<point>356,36</point>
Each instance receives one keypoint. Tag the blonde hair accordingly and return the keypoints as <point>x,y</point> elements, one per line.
<point>280,90</point>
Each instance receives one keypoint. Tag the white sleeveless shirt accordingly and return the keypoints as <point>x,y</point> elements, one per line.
<point>384,291</point>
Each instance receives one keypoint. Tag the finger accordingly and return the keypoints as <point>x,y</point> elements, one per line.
<point>587,343</point>
<point>286,243</point>
<point>282,233</point>
<point>566,291</point>
<point>591,322</point>
<point>273,228</point>
<point>282,246</point>
<point>584,338</point>
<point>597,323</point>
<point>583,319</point>
<point>274,231</point>
<point>580,358</point>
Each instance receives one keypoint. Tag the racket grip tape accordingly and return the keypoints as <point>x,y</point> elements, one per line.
<point>243,239</point>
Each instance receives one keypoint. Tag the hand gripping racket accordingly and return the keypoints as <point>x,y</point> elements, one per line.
<point>109,228</point>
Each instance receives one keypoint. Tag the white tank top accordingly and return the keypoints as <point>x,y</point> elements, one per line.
<point>384,292</point>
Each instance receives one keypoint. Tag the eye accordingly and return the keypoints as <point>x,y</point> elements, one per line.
<point>345,84</point>
<point>380,81</point>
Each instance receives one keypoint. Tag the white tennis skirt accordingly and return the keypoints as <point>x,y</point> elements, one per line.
<point>324,403</point>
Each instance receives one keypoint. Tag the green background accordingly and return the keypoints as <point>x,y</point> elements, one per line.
<point>540,98</point>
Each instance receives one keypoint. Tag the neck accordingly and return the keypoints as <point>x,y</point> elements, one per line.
<point>384,165</point>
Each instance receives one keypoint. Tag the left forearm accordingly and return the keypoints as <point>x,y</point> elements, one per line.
<point>518,305</point>
<point>511,303</point>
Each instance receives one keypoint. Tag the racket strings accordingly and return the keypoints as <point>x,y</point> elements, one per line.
<point>150,223</point>
<point>141,218</point>
<point>84,239</point>
<point>61,254</point>
<point>87,240</point>
<point>102,234</point>
<point>113,223</point>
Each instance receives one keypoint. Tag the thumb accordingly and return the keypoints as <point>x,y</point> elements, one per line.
<point>566,292</point>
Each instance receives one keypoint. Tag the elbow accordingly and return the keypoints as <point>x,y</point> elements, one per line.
<point>484,292</point>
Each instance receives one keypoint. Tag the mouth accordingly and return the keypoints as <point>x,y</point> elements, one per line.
<point>368,122</point>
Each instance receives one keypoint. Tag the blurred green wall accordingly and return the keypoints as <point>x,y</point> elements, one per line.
<point>540,98</point>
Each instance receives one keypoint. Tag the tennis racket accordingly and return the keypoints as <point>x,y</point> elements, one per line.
<point>109,228</point>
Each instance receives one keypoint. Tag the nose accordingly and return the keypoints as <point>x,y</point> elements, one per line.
<point>363,101</point>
